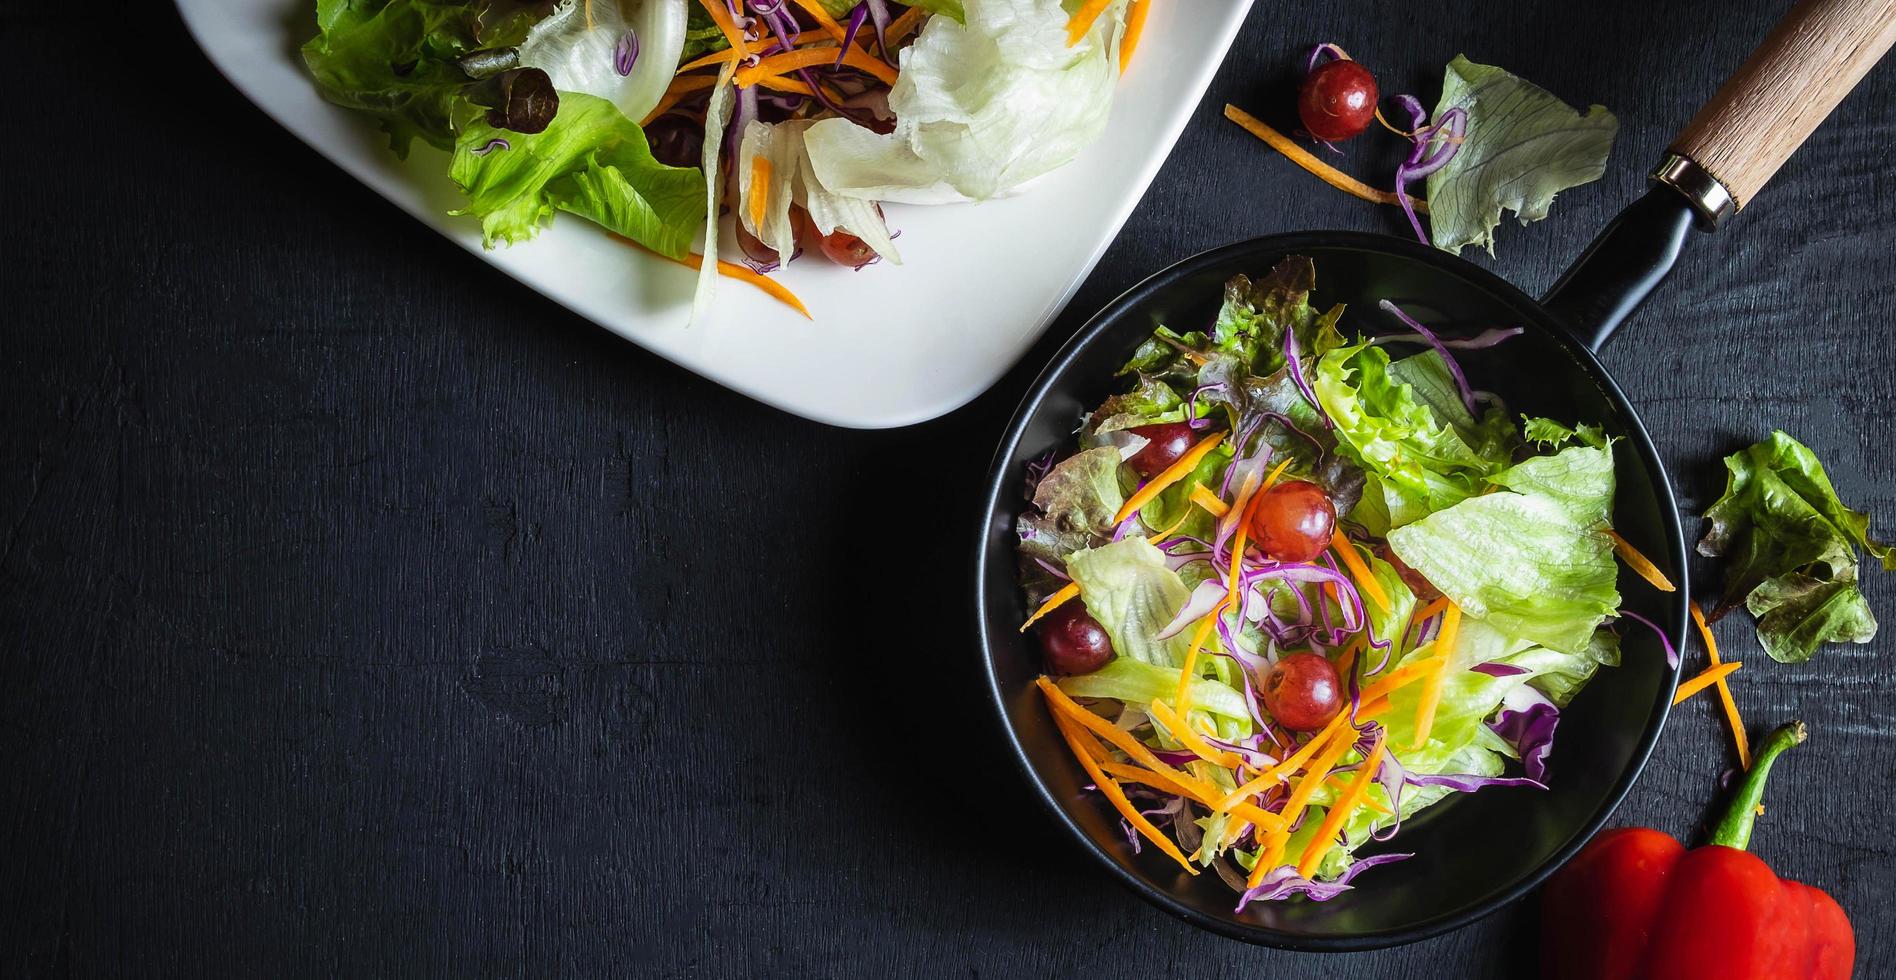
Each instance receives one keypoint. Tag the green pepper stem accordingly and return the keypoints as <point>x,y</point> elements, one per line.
<point>1734,829</point>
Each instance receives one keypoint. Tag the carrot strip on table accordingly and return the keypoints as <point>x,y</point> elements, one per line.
<point>1640,563</point>
<point>1303,158</point>
<point>1135,26</point>
<point>693,260</point>
<point>1737,723</point>
<point>1708,677</point>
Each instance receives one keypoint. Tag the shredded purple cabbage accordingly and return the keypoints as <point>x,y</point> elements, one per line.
<point>1295,367</point>
<point>625,54</point>
<point>1526,720</point>
<point>1461,380</point>
<point>856,19</point>
<point>497,143</point>
<point>1481,341</point>
<point>1434,147</point>
<point>1283,882</point>
<point>1672,653</point>
<point>1495,668</point>
<point>1317,53</point>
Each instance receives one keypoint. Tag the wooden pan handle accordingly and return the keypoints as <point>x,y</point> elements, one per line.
<point>1812,59</point>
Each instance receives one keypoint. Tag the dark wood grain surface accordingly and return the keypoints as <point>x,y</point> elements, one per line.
<point>364,613</point>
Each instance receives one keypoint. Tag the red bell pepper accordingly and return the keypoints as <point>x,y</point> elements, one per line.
<point>1636,905</point>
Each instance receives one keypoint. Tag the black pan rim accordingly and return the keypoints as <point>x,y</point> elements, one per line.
<point>999,473</point>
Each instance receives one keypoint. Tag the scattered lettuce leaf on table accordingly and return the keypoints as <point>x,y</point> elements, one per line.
<point>591,161</point>
<point>1522,146</point>
<point>1791,545</point>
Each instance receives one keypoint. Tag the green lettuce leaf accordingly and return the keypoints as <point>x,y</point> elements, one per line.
<point>1522,147</point>
<point>1791,547</point>
<point>1255,314</point>
<point>1127,679</point>
<point>1797,613</point>
<point>1549,434</point>
<point>1082,492</point>
<point>591,161</point>
<point>396,60</point>
<point>1531,563</point>
<point>1419,463</point>
<point>1128,588</point>
<point>702,35</point>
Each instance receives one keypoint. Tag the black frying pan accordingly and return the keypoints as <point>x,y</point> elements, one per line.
<point>1483,850</point>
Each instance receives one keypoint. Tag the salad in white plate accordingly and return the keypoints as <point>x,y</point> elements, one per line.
<point>780,126</point>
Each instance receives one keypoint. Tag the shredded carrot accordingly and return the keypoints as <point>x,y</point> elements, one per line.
<point>678,90</point>
<point>1291,763</point>
<point>760,191</point>
<point>1135,26</point>
<point>1300,798</point>
<point>782,84</point>
<point>1175,525</point>
<point>714,58</point>
<point>1125,742</point>
<point>1398,679</point>
<point>734,271</point>
<point>1184,696</point>
<point>1422,615</point>
<point>1208,501</point>
<point>1303,158</point>
<point>1271,481</point>
<point>1639,563</point>
<point>1083,18</point>
<point>1244,811</point>
<point>1269,853</point>
<point>789,61</point>
<point>823,19</point>
<point>1710,676</point>
<point>1358,570</point>
<point>1240,514</point>
<point>1181,729</point>
<point>904,25</point>
<point>1067,591</point>
<point>1724,690</point>
<point>1171,474</point>
<point>1340,811</point>
<point>722,17</point>
<point>1118,797</point>
<point>1432,688</point>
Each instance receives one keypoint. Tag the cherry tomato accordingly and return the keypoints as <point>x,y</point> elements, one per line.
<point>1165,443</point>
<point>1072,641</point>
<point>1303,692</point>
<point>1337,100</point>
<point>1293,521</point>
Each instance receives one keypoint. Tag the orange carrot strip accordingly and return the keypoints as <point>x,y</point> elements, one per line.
<point>789,61</point>
<point>1399,678</point>
<point>1184,697</point>
<point>714,58</point>
<point>1724,690</point>
<point>678,90</point>
<point>1181,729</point>
<point>1135,26</point>
<point>823,19</point>
<point>1208,501</point>
<point>1340,811</point>
<point>1053,602</point>
<point>693,260</point>
<point>1121,739</point>
<point>1170,475</point>
<point>1290,764</point>
<point>1083,18</point>
<point>1432,688</point>
<point>1244,811</point>
<point>1118,797</point>
<point>1639,563</point>
<point>1422,615</point>
<point>1294,807</point>
<point>1708,677</point>
<point>1358,570</point>
<point>1303,158</point>
<point>782,84</point>
<point>760,191</point>
<point>902,26</point>
<point>722,17</point>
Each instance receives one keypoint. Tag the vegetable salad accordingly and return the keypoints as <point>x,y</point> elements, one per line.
<point>1294,585</point>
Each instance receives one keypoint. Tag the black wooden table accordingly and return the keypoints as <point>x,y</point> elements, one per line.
<point>362,612</point>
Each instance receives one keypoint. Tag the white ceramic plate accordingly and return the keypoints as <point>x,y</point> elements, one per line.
<point>890,345</point>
